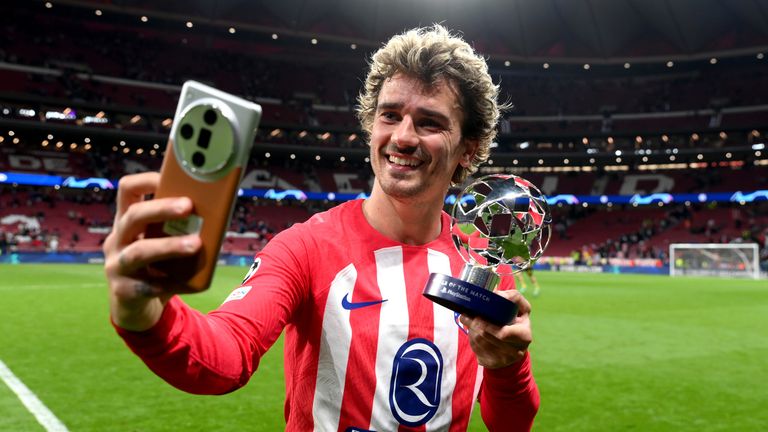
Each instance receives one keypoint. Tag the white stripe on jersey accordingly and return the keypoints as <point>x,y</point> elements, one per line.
<point>393,331</point>
<point>332,361</point>
<point>446,337</point>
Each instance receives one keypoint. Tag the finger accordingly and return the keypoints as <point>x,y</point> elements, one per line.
<point>502,350</point>
<point>523,306</point>
<point>517,334</point>
<point>481,329</point>
<point>132,188</point>
<point>494,353</point>
<point>141,214</point>
<point>139,254</point>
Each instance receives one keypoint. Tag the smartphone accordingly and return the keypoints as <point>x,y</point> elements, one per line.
<point>205,159</point>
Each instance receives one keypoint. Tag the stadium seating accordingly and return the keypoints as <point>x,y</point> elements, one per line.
<point>79,221</point>
<point>67,46</point>
<point>54,61</point>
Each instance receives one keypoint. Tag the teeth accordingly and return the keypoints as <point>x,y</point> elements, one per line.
<point>403,161</point>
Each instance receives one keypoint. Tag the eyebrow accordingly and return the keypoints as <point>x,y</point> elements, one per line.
<point>422,111</point>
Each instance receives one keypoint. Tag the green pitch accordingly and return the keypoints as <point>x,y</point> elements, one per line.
<point>611,352</point>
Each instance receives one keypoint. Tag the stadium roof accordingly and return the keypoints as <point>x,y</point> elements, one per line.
<point>565,31</point>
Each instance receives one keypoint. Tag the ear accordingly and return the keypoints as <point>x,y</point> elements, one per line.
<point>470,148</point>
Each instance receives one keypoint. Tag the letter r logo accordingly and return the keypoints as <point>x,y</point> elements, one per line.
<point>414,393</point>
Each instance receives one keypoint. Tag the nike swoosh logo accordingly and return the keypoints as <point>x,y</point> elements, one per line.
<point>346,304</point>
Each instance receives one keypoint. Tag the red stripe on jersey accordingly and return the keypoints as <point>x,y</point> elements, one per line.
<point>463,394</point>
<point>420,309</point>
<point>467,370</point>
<point>360,383</point>
<point>301,360</point>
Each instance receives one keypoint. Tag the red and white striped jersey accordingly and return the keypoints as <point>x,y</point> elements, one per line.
<point>364,350</point>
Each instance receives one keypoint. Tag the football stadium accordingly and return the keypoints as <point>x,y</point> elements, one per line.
<point>642,123</point>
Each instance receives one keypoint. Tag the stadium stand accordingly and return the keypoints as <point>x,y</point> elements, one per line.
<point>696,128</point>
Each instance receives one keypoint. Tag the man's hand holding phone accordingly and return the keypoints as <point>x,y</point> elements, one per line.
<point>137,296</point>
<point>170,244</point>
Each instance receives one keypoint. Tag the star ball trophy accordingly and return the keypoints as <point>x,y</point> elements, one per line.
<point>500,225</point>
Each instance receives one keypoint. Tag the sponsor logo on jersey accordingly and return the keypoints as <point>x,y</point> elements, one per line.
<point>252,270</point>
<point>357,429</point>
<point>414,394</point>
<point>348,305</point>
<point>237,294</point>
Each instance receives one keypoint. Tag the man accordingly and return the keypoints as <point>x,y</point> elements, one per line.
<point>364,350</point>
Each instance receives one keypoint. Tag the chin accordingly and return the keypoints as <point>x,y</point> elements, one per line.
<point>397,189</point>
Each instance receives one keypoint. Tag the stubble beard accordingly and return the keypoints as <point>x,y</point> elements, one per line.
<point>399,185</point>
<point>401,188</point>
<point>414,184</point>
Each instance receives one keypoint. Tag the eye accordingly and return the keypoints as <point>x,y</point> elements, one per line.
<point>431,124</point>
<point>390,116</point>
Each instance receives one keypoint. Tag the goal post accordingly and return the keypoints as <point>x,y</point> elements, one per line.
<point>714,259</point>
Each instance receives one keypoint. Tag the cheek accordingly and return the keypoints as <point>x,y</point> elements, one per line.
<point>460,154</point>
<point>377,138</point>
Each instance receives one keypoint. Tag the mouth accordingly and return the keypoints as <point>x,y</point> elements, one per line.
<point>404,161</point>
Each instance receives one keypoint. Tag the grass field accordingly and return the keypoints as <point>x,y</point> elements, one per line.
<point>611,353</point>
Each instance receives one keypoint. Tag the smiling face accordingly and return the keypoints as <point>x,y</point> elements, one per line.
<point>416,142</point>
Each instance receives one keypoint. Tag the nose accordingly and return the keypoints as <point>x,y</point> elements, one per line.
<point>405,133</point>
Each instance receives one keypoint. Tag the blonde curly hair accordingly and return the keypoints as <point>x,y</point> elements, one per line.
<point>431,54</point>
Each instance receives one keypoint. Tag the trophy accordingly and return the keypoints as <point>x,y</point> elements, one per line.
<point>500,225</point>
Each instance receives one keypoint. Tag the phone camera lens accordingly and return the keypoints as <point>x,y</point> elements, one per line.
<point>210,117</point>
<point>198,159</point>
<point>187,131</point>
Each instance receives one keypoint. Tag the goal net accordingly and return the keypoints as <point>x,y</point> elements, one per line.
<point>714,259</point>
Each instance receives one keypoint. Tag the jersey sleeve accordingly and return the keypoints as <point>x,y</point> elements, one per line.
<point>217,353</point>
<point>509,397</point>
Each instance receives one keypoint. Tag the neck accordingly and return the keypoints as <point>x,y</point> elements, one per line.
<point>407,221</point>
